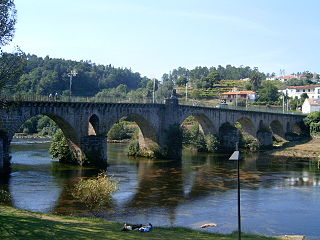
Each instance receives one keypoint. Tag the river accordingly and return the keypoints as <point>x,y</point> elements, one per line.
<point>278,195</point>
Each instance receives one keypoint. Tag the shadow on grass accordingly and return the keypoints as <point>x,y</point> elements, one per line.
<point>14,227</point>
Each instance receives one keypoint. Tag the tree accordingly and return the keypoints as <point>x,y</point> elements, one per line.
<point>7,21</point>
<point>256,78</point>
<point>210,80</point>
<point>119,131</point>
<point>268,92</point>
<point>313,121</point>
<point>11,68</point>
<point>182,81</point>
<point>59,148</point>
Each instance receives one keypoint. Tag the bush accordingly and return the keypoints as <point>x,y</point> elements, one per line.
<point>5,197</point>
<point>59,148</point>
<point>119,131</point>
<point>212,143</point>
<point>134,148</point>
<point>95,192</point>
<point>195,139</point>
<point>252,144</point>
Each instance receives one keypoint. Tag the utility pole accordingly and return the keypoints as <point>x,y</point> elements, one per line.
<point>71,74</point>
<point>186,91</point>
<point>153,93</point>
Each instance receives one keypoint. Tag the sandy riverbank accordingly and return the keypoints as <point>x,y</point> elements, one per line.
<point>306,148</point>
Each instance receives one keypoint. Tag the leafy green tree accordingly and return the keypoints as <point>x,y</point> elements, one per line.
<point>119,131</point>
<point>7,21</point>
<point>11,68</point>
<point>255,79</point>
<point>209,80</point>
<point>268,92</point>
<point>59,148</point>
<point>312,118</point>
<point>212,143</point>
<point>313,122</point>
<point>182,81</point>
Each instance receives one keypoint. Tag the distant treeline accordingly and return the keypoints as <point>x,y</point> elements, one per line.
<point>50,75</point>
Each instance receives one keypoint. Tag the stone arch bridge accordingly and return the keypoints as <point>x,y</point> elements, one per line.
<point>86,124</point>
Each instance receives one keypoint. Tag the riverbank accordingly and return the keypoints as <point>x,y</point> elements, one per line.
<point>309,148</point>
<point>20,224</point>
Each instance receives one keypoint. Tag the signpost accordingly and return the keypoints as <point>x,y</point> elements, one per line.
<point>236,157</point>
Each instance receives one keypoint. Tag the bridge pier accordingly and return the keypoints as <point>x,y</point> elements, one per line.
<point>95,150</point>
<point>229,136</point>
<point>265,138</point>
<point>4,156</point>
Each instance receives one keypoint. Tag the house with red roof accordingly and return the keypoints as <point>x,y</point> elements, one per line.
<point>286,78</point>
<point>233,97</point>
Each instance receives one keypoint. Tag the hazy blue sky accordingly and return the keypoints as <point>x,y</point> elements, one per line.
<point>153,37</point>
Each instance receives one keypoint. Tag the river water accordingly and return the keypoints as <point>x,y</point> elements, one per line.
<point>278,195</point>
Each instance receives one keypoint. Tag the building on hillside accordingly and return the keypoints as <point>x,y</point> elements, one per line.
<point>313,91</point>
<point>234,96</point>
<point>286,78</point>
<point>311,105</point>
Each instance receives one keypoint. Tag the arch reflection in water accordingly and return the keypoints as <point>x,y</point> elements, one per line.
<point>279,194</point>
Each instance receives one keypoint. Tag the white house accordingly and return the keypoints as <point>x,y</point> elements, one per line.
<point>233,96</point>
<point>313,91</point>
<point>311,105</point>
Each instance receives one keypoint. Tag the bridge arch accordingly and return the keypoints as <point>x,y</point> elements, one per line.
<point>68,130</point>
<point>277,128</point>
<point>148,134</point>
<point>264,135</point>
<point>205,123</point>
<point>93,125</point>
<point>247,126</point>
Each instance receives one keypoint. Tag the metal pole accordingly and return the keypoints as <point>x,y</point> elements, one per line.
<point>186,92</point>
<point>154,87</point>
<point>70,82</point>
<point>236,157</point>
<point>239,216</point>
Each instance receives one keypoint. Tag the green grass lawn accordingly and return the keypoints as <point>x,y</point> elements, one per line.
<point>20,224</point>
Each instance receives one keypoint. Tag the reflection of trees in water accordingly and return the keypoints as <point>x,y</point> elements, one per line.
<point>160,184</point>
<point>219,175</point>
<point>164,185</point>
<point>68,176</point>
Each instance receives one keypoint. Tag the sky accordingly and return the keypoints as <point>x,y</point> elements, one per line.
<point>154,37</point>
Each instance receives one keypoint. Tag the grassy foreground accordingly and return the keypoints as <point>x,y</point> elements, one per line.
<point>20,224</point>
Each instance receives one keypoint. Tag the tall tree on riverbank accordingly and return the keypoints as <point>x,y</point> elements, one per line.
<point>11,64</point>
<point>7,21</point>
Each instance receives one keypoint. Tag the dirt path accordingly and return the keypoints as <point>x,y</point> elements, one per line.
<point>307,148</point>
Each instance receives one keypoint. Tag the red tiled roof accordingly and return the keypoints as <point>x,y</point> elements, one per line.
<point>238,93</point>
<point>314,101</point>
<point>287,77</point>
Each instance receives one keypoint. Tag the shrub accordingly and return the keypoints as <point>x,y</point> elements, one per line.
<point>95,192</point>
<point>212,143</point>
<point>5,197</point>
<point>134,148</point>
<point>119,131</point>
<point>59,147</point>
